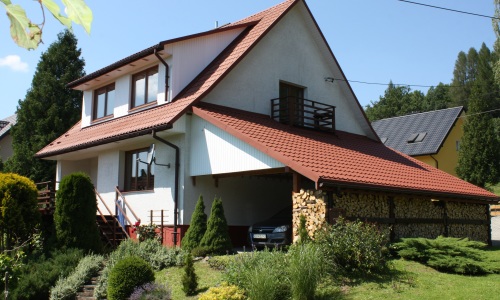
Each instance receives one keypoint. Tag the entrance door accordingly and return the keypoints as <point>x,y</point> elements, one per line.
<point>291,104</point>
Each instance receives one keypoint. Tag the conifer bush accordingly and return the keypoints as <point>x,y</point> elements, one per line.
<point>126,275</point>
<point>75,214</point>
<point>197,228</point>
<point>189,278</point>
<point>446,254</point>
<point>20,215</point>
<point>217,235</point>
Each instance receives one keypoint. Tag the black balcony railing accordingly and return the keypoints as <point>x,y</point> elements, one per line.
<point>303,113</point>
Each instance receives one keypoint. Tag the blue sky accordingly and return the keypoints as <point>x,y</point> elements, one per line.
<point>374,41</point>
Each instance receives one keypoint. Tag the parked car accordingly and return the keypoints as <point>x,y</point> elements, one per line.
<point>273,232</point>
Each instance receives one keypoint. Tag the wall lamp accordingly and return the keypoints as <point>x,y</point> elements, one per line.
<point>329,79</point>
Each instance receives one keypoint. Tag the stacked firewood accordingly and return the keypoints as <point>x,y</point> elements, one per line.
<point>467,211</point>
<point>363,205</point>
<point>414,207</point>
<point>471,231</point>
<point>312,205</point>
<point>430,231</point>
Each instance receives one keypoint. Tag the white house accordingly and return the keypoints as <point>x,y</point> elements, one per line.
<point>6,150</point>
<point>204,100</point>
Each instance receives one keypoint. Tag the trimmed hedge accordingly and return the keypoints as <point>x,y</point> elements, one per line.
<point>197,228</point>
<point>126,275</point>
<point>216,238</point>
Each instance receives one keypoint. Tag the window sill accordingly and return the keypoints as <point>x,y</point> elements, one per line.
<point>143,106</point>
<point>124,193</point>
<point>102,119</point>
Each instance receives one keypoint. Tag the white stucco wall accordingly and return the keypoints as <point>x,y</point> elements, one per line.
<point>214,151</point>
<point>66,167</point>
<point>287,53</point>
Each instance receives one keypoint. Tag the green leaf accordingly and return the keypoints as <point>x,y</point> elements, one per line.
<point>23,32</point>
<point>79,13</point>
<point>6,2</point>
<point>55,10</point>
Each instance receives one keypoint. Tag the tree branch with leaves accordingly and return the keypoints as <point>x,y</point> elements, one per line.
<point>28,35</point>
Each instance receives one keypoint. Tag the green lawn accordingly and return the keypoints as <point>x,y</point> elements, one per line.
<point>407,280</point>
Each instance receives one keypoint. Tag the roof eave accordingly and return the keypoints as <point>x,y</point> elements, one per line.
<point>104,141</point>
<point>147,52</point>
<point>325,183</point>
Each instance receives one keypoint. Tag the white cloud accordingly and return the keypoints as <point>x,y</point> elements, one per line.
<point>14,63</point>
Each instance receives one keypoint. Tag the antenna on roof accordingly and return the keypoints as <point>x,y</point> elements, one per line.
<point>216,24</point>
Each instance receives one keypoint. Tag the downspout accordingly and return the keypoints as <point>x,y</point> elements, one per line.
<point>166,73</point>
<point>176,192</point>
<point>437,164</point>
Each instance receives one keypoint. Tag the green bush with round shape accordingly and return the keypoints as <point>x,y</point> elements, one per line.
<point>75,214</point>
<point>126,275</point>
<point>19,214</point>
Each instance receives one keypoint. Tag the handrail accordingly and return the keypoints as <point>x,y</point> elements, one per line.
<point>125,203</point>
<point>304,113</point>
<point>109,211</point>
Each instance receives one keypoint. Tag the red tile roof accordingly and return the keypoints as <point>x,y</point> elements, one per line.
<point>163,116</point>
<point>344,159</point>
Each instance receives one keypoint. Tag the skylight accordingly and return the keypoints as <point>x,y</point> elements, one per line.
<point>416,137</point>
<point>3,124</point>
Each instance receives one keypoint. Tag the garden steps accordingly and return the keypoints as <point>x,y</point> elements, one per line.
<point>87,291</point>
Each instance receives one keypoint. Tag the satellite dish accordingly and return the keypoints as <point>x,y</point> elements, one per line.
<point>151,154</point>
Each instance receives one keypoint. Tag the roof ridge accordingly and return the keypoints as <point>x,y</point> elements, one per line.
<point>420,113</point>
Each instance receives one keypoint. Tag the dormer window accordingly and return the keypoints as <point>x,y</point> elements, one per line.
<point>145,87</point>
<point>104,101</point>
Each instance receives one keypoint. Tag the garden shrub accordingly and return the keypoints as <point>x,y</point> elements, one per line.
<point>11,263</point>
<point>303,234</point>
<point>220,262</point>
<point>189,278</point>
<point>261,274</point>
<point>305,270</point>
<point>40,274</point>
<point>153,252</point>
<point>68,287</point>
<point>446,254</point>
<point>354,248</point>
<point>75,213</point>
<point>197,228</point>
<point>223,292</point>
<point>126,275</point>
<point>20,216</point>
<point>151,291</point>
<point>201,251</point>
<point>217,235</point>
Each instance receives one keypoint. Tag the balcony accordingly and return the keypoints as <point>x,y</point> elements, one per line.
<point>303,113</point>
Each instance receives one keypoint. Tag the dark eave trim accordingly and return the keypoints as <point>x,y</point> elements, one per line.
<point>322,183</point>
<point>106,140</point>
<point>149,51</point>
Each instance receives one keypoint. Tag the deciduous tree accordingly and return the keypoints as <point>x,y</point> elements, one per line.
<point>29,35</point>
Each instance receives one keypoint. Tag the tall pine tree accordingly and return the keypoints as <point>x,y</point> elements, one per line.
<point>49,109</point>
<point>479,157</point>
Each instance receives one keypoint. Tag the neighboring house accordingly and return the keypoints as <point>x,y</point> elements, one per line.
<point>204,100</point>
<point>432,137</point>
<point>6,150</point>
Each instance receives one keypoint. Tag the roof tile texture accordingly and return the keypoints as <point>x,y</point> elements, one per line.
<point>164,115</point>
<point>343,158</point>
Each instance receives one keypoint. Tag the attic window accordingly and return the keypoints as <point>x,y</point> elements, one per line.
<point>3,124</point>
<point>383,140</point>
<point>416,137</point>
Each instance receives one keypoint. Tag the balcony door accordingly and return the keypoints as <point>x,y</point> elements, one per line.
<point>291,104</point>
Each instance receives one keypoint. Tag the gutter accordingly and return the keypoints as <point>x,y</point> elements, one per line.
<point>176,193</point>
<point>435,160</point>
<point>166,72</point>
<point>322,184</point>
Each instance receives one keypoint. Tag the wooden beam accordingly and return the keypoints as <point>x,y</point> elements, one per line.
<point>253,173</point>
<point>296,182</point>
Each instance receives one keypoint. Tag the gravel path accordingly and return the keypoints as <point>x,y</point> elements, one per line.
<point>495,231</point>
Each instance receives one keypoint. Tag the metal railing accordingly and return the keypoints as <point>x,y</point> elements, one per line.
<point>122,207</point>
<point>303,113</point>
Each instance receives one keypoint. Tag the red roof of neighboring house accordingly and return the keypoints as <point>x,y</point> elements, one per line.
<point>342,159</point>
<point>162,116</point>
